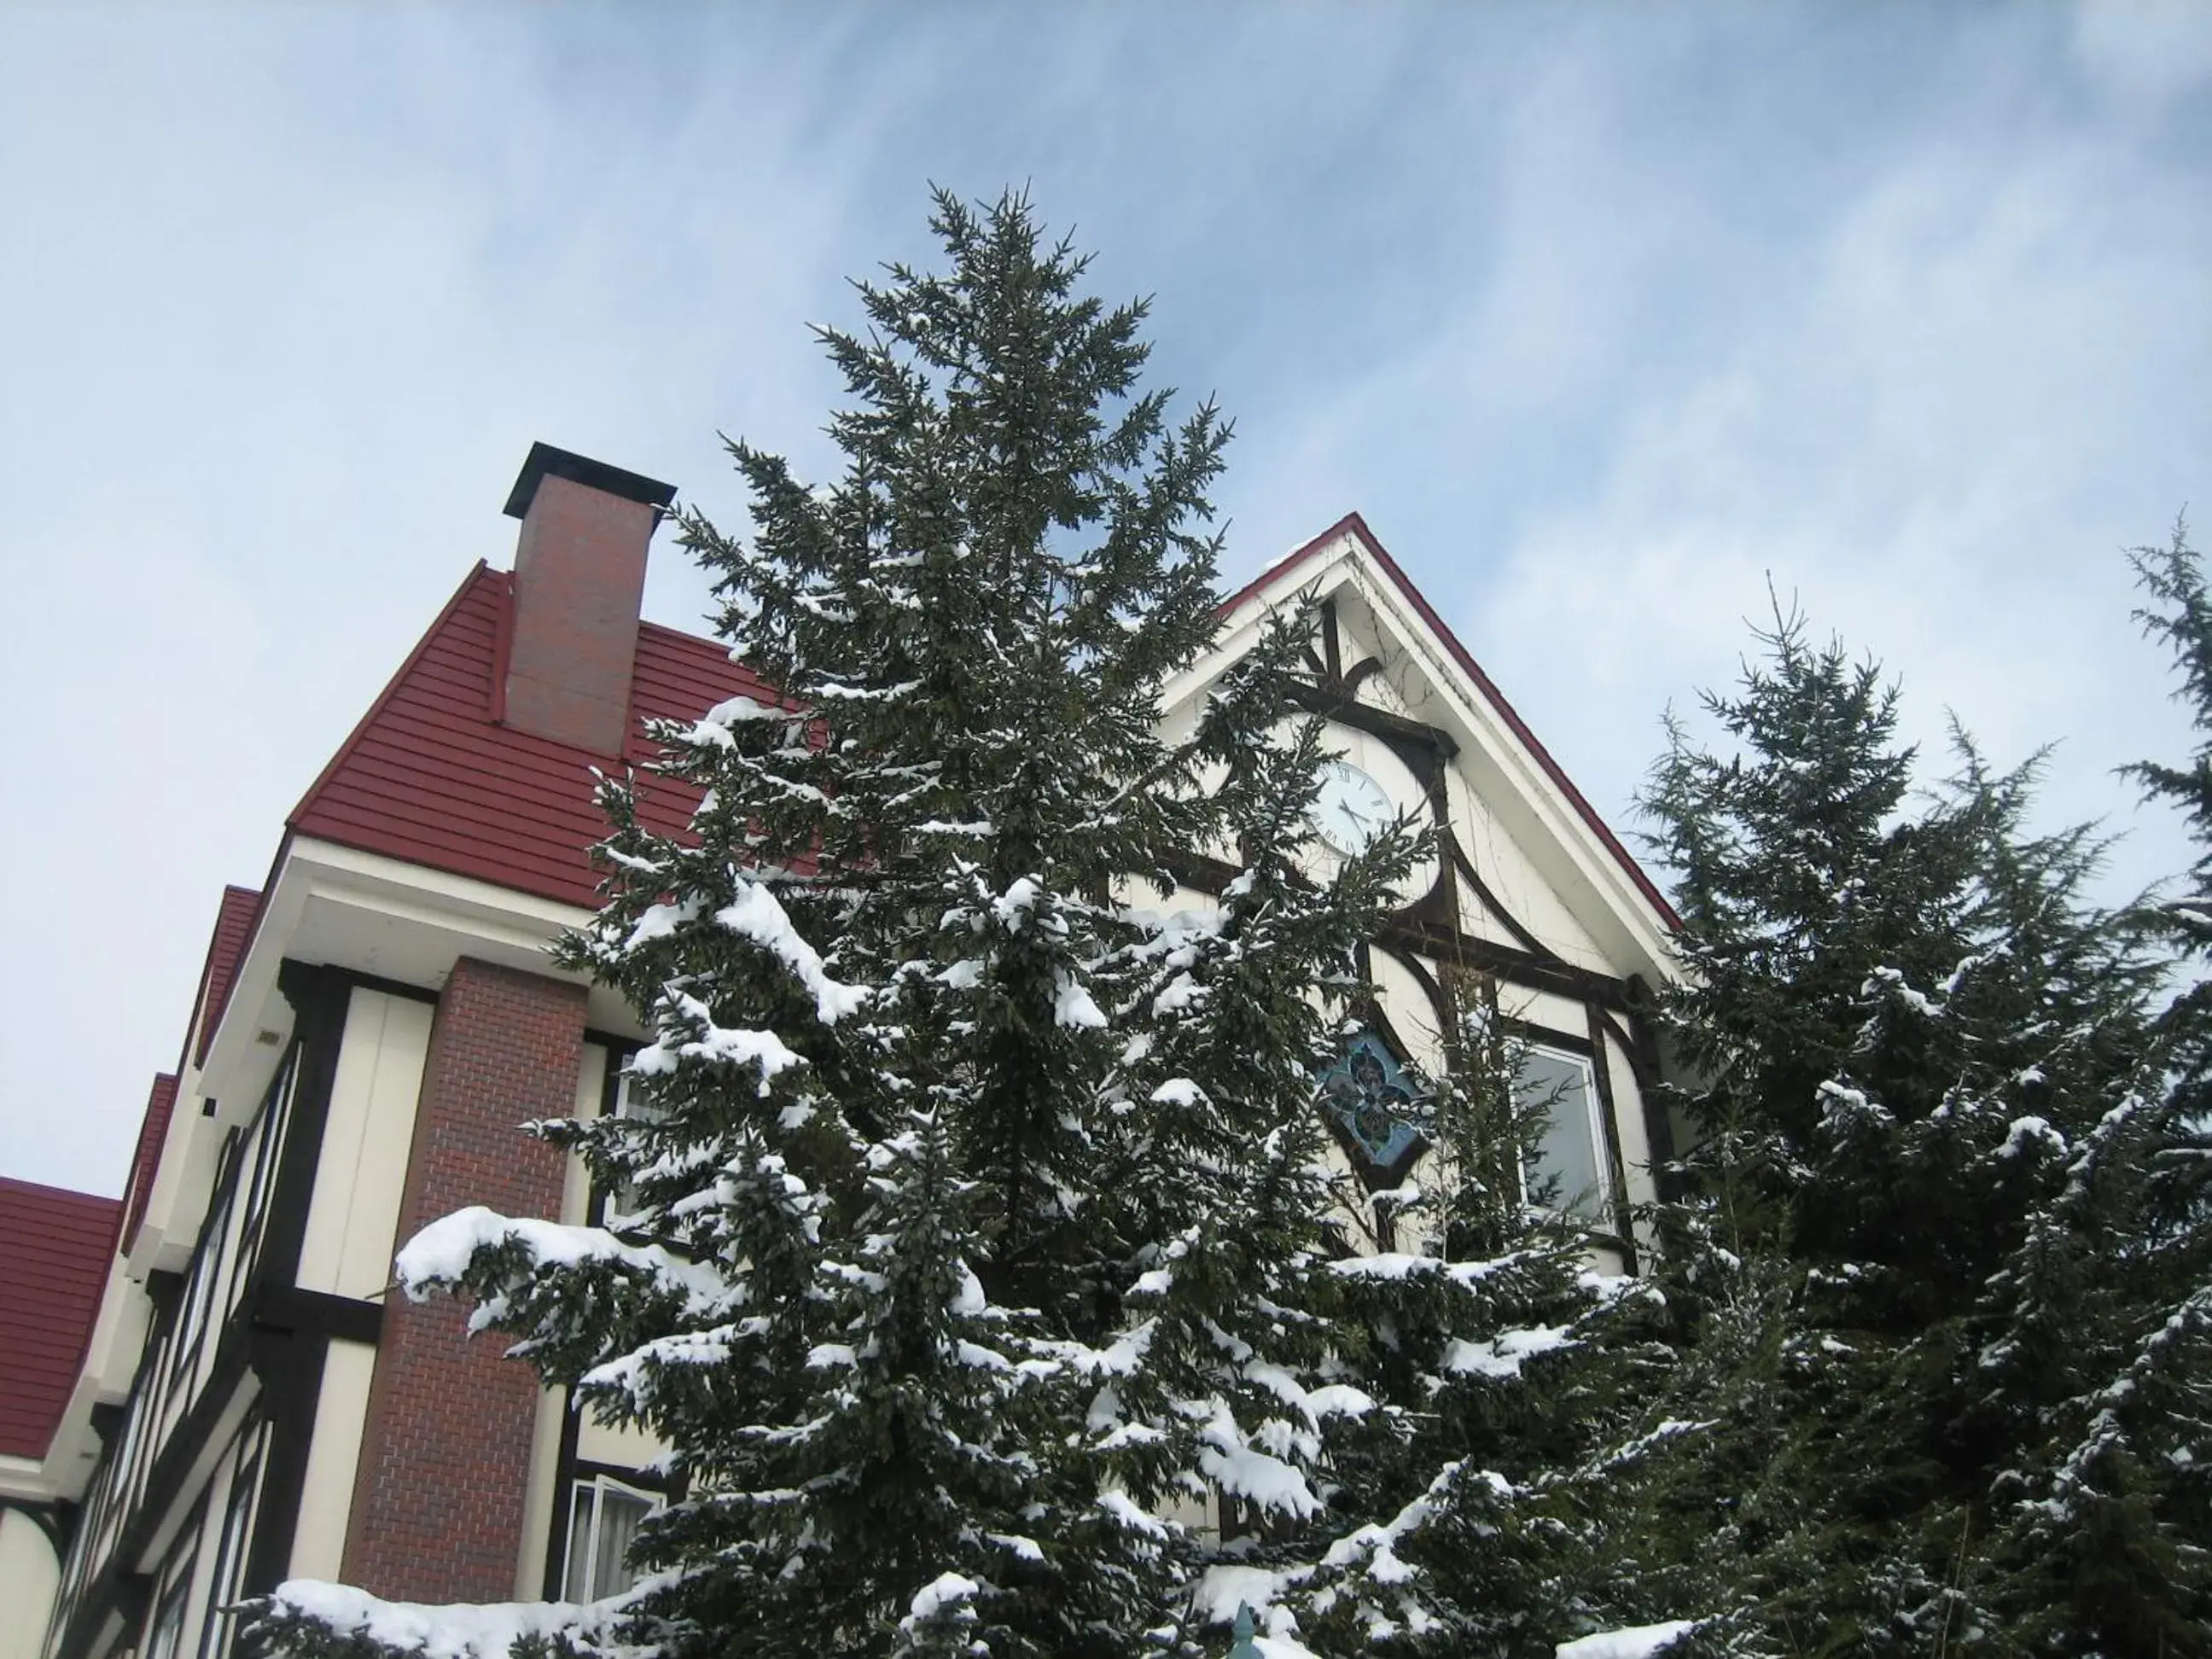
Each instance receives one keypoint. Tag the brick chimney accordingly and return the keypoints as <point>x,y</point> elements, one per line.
<point>579,576</point>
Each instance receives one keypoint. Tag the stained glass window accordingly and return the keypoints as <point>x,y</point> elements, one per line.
<point>1369,1098</point>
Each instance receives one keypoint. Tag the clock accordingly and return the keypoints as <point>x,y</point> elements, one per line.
<point>1351,809</point>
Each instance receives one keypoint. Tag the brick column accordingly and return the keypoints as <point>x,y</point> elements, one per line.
<point>445,1455</point>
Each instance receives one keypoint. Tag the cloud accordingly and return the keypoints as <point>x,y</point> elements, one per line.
<point>286,334</point>
<point>1926,380</point>
<point>1933,441</point>
<point>2154,49</point>
<point>1600,316</point>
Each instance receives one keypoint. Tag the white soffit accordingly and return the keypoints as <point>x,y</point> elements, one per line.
<point>338,906</point>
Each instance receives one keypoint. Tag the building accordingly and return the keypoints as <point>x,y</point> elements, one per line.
<point>55,1247</point>
<point>248,1405</point>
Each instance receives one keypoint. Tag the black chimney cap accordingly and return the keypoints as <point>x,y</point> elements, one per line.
<point>544,461</point>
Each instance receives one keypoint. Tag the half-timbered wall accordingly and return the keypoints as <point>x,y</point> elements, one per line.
<point>1485,915</point>
<point>598,1476</point>
<point>191,1425</point>
<point>244,1414</point>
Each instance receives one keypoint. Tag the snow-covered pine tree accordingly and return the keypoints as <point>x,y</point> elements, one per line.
<point>973,1208</point>
<point>1227,1380</point>
<point>1899,1014</point>
<point>2101,1342</point>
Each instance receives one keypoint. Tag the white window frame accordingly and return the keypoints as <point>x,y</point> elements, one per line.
<point>1600,1210</point>
<point>234,1542</point>
<point>612,1199</point>
<point>165,1625</point>
<point>599,1485</point>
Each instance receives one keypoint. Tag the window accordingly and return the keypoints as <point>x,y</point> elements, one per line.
<point>603,1519</point>
<point>205,1269</point>
<point>624,1200</point>
<point>1368,1099</point>
<point>231,1547</point>
<point>1566,1169</point>
<point>268,1130</point>
<point>166,1638</point>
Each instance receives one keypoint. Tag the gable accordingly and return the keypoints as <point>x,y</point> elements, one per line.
<point>1547,864</point>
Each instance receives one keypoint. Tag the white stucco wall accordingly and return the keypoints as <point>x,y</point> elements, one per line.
<point>326,1494</point>
<point>362,1169</point>
<point>29,1576</point>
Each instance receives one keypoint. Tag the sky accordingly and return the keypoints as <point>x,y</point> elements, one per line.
<point>1610,320</point>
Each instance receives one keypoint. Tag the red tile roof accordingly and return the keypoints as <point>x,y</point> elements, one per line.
<point>233,924</point>
<point>1352,524</point>
<point>55,1247</point>
<point>153,1130</point>
<point>233,921</point>
<point>430,777</point>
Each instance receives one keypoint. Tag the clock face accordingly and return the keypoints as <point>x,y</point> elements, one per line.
<point>1352,808</point>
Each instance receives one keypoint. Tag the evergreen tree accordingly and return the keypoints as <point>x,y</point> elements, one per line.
<point>2106,1541</point>
<point>974,1210</point>
<point>1898,1015</point>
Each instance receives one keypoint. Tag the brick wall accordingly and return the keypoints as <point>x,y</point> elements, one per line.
<point>445,1459</point>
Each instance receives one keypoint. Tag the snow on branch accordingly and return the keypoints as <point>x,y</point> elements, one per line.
<point>301,1607</point>
<point>1502,1355</point>
<point>442,1254</point>
<point>1631,1641</point>
<point>1225,1588</point>
<point>730,1045</point>
<point>1241,1469</point>
<point>757,916</point>
<point>1399,1264</point>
